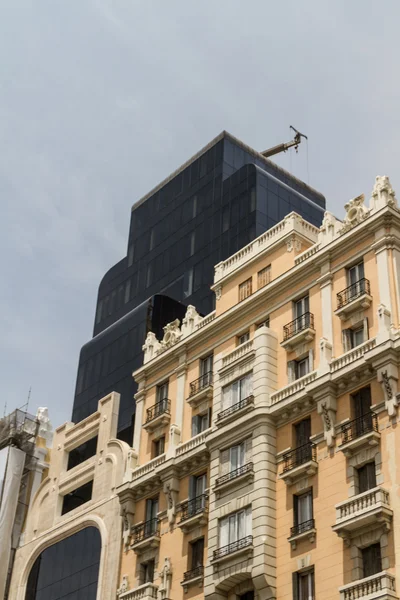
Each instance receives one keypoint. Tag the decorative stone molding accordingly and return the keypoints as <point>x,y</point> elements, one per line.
<point>190,321</point>
<point>384,324</point>
<point>326,408</point>
<point>172,334</point>
<point>387,377</point>
<point>325,356</point>
<point>382,194</point>
<point>171,491</point>
<point>174,440</point>
<point>329,229</point>
<point>356,213</point>
<point>124,587</point>
<point>293,243</point>
<point>218,292</point>
<point>151,347</point>
<point>166,578</point>
<point>127,512</point>
<point>45,426</point>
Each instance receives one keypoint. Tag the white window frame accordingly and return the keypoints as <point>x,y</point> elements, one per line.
<point>235,527</point>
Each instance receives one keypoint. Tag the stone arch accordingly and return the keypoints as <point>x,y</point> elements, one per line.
<point>57,536</point>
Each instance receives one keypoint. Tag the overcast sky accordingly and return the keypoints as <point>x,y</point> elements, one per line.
<point>101,99</point>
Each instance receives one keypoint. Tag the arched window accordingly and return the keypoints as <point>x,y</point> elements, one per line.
<point>68,569</point>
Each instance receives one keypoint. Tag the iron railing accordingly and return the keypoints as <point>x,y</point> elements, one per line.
<point>353,291</point>
<point>302,322</point>
<point>358,427</point>
<point>193,507</point>
<point>193,573</point>
<point>145,530</point>
<point>298,456</point>
<point>233,474</point>
<point>302,527</point>
<point>201,383</point>
<point>235,407</point>
<point>233,547</point>
<point>160,408</point>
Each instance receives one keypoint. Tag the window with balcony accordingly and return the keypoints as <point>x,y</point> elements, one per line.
<point>236,395</point>
<point>206,365</point>
<point>201,422</point>
<point>235,462</point>
<point>371,560</point>
<point>301,307</point>
<point>234,532</point>
<point>357,293</point>
<point>263,277</point>
<point>361,401</point>
<point>355,277</point>
<point>146,572</point>
<point>158,447</point>
<point>245,289</point>
<point>303,585</point>
<point>162,391</point>
<point>366,477</point>
<point>303,513</point>
<point>243,338</point>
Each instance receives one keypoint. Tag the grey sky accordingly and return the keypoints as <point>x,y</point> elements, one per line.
<point>101,99</point>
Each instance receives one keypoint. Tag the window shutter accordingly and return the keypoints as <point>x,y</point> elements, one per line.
<point>224,532</point>
<point>192,487</point>
<point>226,397</point>
<point>195,425</point>
<point>224,466</point>
<point>295,510</point>
<point>295,586</point>
<point>291,368</point>
<point>365,327</point>
<point>346,340</point>
<point>310,360</point>
<point>247,451</point>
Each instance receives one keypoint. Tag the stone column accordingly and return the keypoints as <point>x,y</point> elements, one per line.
<point>180,391</point>
<point>265,370</point>
<point>139,398</point>
<point>382,265</point>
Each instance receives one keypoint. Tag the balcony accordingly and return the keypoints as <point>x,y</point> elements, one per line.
<point>380,586</point>
<point>146,535</point>
<point>147,591</point>
<point>240,475</point>
<point>299,462</point>
<point>201,389</point>
<point>158,415</point>
<point>362,511</point>
<point>235,411</point>
<point>242,546</point>
<point>192,577</point>
<point>356,296</point>
<point>359,433</point>
<point>302,531</point>
<point>298,331</point>
<point>194,513</point>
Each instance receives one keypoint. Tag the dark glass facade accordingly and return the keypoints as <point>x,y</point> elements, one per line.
<point>218,202</point>
<point>67,570</point>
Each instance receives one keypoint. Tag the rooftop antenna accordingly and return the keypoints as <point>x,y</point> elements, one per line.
<point>283,147</point>
<point>25,406</point>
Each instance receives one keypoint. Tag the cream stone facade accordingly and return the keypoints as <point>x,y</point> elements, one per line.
<point>265,462</point>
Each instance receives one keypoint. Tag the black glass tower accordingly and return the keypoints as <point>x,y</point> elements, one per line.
<point>216,203</point>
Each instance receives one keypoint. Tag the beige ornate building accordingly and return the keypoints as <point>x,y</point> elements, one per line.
<point>265,462</point>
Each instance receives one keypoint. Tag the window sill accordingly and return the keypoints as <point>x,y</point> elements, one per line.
<point>235,481</point>
<point>310,535</point>
<point>360,303</point>
<point>243,552</point>
<point>372,438</point>
<point>204,394</point>
<point>304,336</point>
<point>291,475</point>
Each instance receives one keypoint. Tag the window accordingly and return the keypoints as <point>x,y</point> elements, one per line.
<point>355,278</point>
<point>197,486</point>
<point>302,432</point>
<point>237,391</point>
<point>264,323</point>
<point>146,574</point>
<point>263,277</point>
<point>77,497</point>
<point>188,283</point>
<point>243,338</point>
<point>82,453</point>
<point>366,477</point>
<point>149,275</point>
<point>158,447</point>
<point>201,422</point>
<point>245,289</point>
<point>298,368</point>
<point>152,239</point>
<point>303,585</point>
<point>192,243</point>
<point>127,293</point>
<point>371,560</point>
<point>234,527</point>
<point>235,457</point>
<point>303,509</point>
<point>301,307</point>
<point>197,553</point>
<point>361,401</point>
<point>162,391</point>
<point>354,336</point>
<point>206,365</point>
<point>130,255</point>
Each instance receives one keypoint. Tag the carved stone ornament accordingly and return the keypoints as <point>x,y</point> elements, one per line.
<point>218,292</point>
<point>172,334</point>
<point>165,575</point>
<point>150,347</point>
<point>356,213</point>
<point>124,587</point>
<point>45,426</point>
<point>391,398</point>
<point>171,491</point>
<point>190,321</point>
<point>327,409</point>
<point>293,243</point>
<point>329,229</point>
<point>127,512</point>
<point>382,194</point>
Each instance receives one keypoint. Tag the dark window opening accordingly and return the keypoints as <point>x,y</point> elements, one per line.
<point>372,560</point>
<point>197,553</point>
<point>158,447</point>
<point>146,574</point>
<point>366,477</point>
<point>78,497</point>
<point>303,585</point>
<point>81,453</point>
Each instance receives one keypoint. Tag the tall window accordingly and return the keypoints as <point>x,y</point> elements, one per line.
<point>197,486</point>
<point>235,457</point>
<point>299,368</point>
<point>354,336</point>
<point>201,422</point>
<point>158,447</point>
<point>146,573</point>
<point>362,411</point>
<point>237,391</point>
<point>206,365</point>
<point>162,391</point>
<point>355,279</point>
<point>263,277</point>
<point>151,516</point>
<point>303,509</point>
<point>366,477</point>
<point>234,527</point>
<point>242,339</point>
<point>303,585</point>
<point>371,560</point>
<point>245,289</point>
<point>197,553</point>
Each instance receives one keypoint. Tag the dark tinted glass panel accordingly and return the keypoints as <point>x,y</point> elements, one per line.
<point>82,453</point>
<point>77,497</point>
<point>68,569</point>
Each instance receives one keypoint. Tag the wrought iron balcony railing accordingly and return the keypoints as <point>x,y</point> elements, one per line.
<point>233,547</point>
<point>358,427</point>
<point>235,407</point>
<point>299,456</point>
<point>145,530</point>
<point>353,291</point>
<point>160,408</point>
<point>193,573</point>
<point>201,383</point>
<point>194,507</point>
<point>233,474</point>
<point>305,321</point>
<point>302,527</point>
